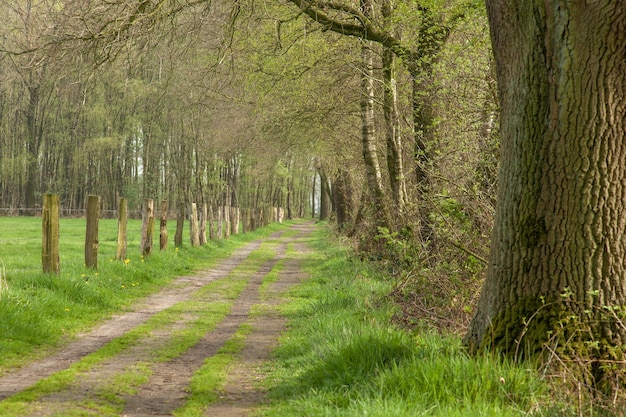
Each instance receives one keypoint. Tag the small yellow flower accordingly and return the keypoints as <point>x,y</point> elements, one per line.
<point>126,261</point>
<point>67,309</point>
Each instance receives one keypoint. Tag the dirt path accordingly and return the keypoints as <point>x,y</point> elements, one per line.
<point>166,385</point>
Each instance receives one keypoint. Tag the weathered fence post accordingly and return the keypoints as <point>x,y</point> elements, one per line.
<point>203,221</point>
<point>180,224</point>
<point>50,236</point>
<point>281,214</point>
<point>234,220</point>
<point>163,226</point>
<point>220,222</point>
<point>211,224</point>
<point>193,224</point>
<point>122,222</point>
<point>147,226</point>
<point>226,222</point>
<point>91,232</point>
<point>245,221</point>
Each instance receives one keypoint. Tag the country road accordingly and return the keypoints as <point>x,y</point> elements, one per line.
<point>142,362</point>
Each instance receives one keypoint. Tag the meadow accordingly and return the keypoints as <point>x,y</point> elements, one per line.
<point>39,311</point>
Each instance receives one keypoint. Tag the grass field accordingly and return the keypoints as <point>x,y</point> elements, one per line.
<point>39,310</point>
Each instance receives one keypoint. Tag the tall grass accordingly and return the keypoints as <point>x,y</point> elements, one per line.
<point>38,311</point>
<point>343,357</point>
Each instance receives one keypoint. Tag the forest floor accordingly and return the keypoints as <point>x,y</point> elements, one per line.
<point>140,379</point>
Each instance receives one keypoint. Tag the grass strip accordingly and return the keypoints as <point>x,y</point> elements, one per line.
<point>207,381</point>
<point>342,356</point>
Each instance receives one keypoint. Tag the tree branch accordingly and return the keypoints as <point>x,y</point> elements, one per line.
<point>363,28</point>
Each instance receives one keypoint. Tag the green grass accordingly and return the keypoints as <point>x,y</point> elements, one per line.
<point>343,357</point>
<point>110,397</point>
<point>211,377</point>
<point>41,311</point>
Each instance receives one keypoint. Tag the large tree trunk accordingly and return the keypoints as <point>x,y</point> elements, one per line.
<point>559,240</point>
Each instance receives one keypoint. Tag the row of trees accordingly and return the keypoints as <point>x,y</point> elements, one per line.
<point>150,122</point>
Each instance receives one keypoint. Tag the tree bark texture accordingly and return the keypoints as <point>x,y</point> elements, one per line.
<point>344,200</point>
<point>368,134</point>
<point>395,165</point>
<point>559,240</point>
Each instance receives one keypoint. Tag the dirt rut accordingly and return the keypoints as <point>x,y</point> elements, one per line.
<point>167,386</point>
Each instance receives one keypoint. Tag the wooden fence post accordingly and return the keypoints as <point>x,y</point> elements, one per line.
<point>180,224</point>
<point>234,220</point>
<point>91,232</point>
<point>122,222</point>
<point>147,226</point>
<point>163,226</point>
<point>220,222</point>
<point>50,236</point>
<point>226,221</point>
<point>211,224</point>
<point>203,221</point>
<point>193,224</point>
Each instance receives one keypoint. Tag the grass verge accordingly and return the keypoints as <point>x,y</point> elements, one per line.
<point>342,357</point>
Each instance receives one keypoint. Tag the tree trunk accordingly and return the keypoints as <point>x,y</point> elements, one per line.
<point>368,134</point>
<point>325,195</point>
<point>343,196</point>
<point>559,240</point>
<point>395,164</point>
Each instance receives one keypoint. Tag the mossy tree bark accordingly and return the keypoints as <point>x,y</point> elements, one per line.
<point>559,240</point>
